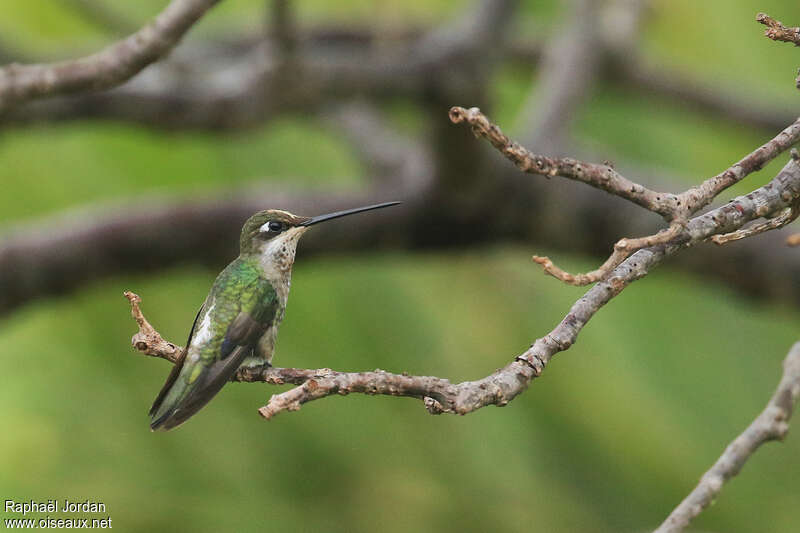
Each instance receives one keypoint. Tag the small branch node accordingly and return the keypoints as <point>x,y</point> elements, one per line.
<point>533,361</point>
<point>265,412</point>
<point>147,340</point>
<point>433,406</point>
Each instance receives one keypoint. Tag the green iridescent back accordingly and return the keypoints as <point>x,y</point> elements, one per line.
<point>240,288</point>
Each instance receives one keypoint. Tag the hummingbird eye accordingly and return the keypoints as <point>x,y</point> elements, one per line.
<point>274,226</point>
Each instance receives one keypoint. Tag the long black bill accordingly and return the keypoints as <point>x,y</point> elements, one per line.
<point>337,214</point>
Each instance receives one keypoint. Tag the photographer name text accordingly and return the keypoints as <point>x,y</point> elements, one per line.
<point>54,506</point>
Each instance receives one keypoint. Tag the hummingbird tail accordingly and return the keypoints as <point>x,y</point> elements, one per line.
<point>173,375</point>
<point>179,399</point>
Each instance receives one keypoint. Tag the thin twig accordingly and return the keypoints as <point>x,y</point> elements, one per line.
<point>675,208</point>
<point>777,31</point>
<point>623,249</point>
<point>147,340</point>
<point>786,216</point>
<point>601,176</point>
<point>701,195</point>
<point>771,424</point>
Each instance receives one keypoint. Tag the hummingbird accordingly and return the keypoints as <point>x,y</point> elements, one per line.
<point>237,325</point>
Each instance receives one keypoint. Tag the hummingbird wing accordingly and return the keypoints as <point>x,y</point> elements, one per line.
<point>247,304</point>
<point>176,368</point>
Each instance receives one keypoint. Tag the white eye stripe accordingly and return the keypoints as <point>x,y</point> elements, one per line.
<point>265,227</point>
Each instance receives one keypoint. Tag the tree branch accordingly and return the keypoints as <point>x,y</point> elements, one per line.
<point>147,340</point>
<point>676,208</point>
<point>602,177</point>
<point>700,196</point>
<point>502,386</point>
<point>107,68</point>
<point>778,32</point>
<point>785,217</point>
<point>771,424</point>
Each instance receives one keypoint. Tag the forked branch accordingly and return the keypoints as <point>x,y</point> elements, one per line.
<point>674,208</point>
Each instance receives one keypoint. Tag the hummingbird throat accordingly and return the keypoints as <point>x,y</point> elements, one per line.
<point>277,254</point>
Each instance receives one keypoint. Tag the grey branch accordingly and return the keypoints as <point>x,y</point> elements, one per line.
<point>502,386</point>
<point>107,68</point>
<point>787,216</point>
<point>438,395</point>
<point>771,424</point>
<point>601,176</point>
<point>700,196</point>
<point>676,208</point>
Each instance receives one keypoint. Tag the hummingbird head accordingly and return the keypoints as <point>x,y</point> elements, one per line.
<point>273,234</point>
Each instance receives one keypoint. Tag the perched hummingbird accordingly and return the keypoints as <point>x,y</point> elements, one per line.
<point>238,322</point>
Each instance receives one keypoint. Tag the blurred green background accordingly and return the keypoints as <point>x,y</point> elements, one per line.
<point>614,434</point>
